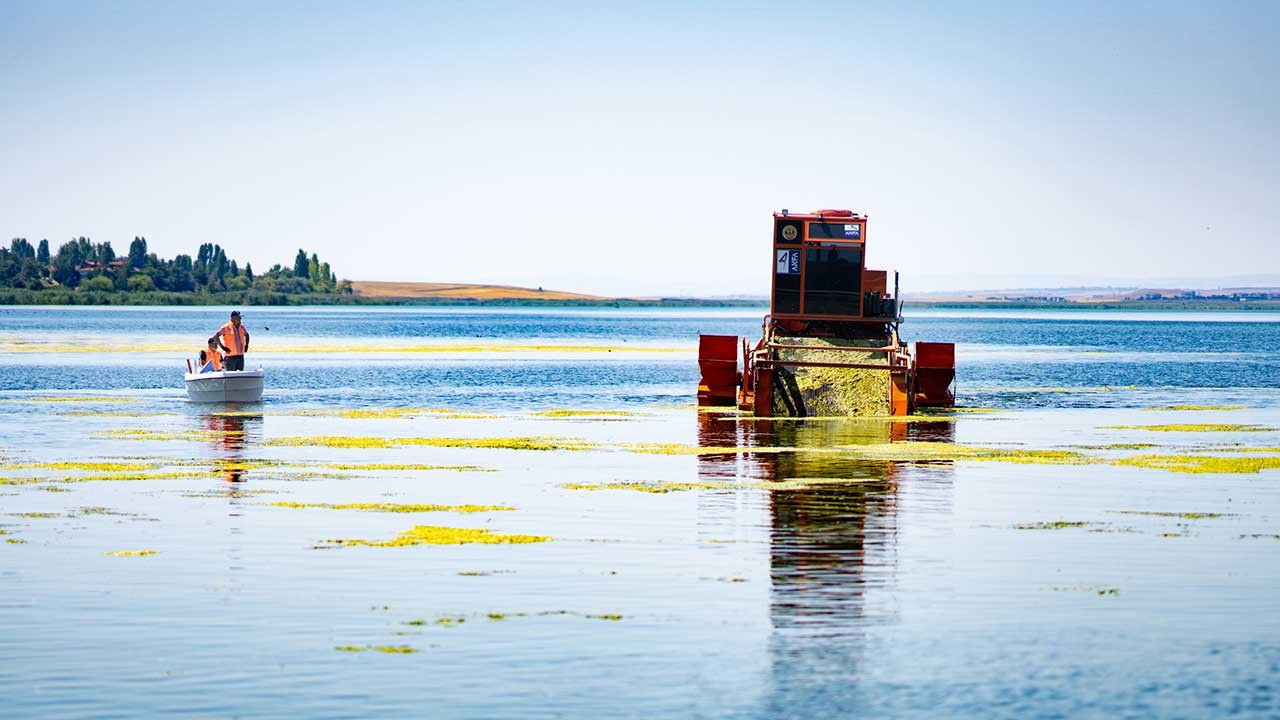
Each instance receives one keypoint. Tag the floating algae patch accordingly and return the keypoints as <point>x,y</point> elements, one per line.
<point>1101,591</point>
<point>488,443</point>
<point>657,488</point>
<point>395,507</point>
<point>804,391</point>
<point>923,451</point>
<point>390,649</point>
<point>1182,515</point>
<point>682,449</point>
<point>1200,427</point>
<point>74,399</point>
<point>35,515</point>
<point>1185,408</point>
<point>115,414</point>
<point>91,466</point>
<point>1201,463</point>
<point>404,467</point>
<point>130,553</point>
<point>139,476</point>
<point>436,535</point>
<point>568,413</point>
<point>1117,446</point>
<point>393,413</point>
<point>1052,525</point>
<point>167,435</point>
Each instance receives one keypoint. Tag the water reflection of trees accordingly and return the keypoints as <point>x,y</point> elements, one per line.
<point>833,531</point>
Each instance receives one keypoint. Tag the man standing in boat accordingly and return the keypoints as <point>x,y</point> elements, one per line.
<point>234,341</point>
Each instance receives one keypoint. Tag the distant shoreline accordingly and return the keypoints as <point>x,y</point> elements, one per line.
<point>499,296</point>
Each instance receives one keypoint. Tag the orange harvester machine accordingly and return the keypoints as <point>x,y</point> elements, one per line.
<point>822,290</point>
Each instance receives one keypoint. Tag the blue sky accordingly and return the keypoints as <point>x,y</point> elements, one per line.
<point>640,149</point>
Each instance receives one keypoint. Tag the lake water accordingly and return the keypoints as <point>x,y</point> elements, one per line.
<point>1094,533</point>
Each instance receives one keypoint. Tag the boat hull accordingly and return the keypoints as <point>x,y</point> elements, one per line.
<point>226,386</point>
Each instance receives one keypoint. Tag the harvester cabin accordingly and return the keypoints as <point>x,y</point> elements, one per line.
<point>819,271</point>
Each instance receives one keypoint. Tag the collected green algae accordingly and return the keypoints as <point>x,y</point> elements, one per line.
<point>806,390</point>
<point>1193,427</point>
<point>395,507</point>
<point>436,535</point>
<point>130,553</point>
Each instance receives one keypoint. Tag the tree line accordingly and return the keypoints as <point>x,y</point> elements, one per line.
<point>82,267</point>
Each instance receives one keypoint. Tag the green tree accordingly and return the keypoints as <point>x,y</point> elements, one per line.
<point>141,283</point>
<point>301,265</point>
<point>138,253</point>
<point>182,279</point>
<point>42,255</point>
<point>22,249</point>
<point>248,271</point>
<point>98,283</point>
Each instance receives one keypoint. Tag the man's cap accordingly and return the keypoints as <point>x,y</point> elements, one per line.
<point>235,313</point>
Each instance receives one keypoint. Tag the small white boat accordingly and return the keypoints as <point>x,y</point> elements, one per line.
<point>230,386</point>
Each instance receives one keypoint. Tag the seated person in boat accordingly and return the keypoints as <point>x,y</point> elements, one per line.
<point>234,341</point>
<point>210,358</point>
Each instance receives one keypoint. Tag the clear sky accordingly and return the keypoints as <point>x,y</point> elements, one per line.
<point>641,149</point>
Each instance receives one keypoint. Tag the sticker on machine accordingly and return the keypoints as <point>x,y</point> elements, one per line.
<point>788,262</point>
<point>853,230</point>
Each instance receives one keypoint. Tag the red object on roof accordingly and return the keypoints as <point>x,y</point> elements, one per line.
<point>834,213</point>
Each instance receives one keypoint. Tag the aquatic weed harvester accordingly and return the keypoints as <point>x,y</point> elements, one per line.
<point>830,344</point>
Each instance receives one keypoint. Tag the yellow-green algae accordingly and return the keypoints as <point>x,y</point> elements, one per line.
<point>1196,407</point>
<point>1189,427</point>
<point>436,535</point>
<point>395,507</point>
<point>658,488</point>
<point>1183,515</point>
<point>334,349</point>
<point>830,390</point>
<point>402,467</point>
<point>130,553</point>
<point>1201,463</point>
<point>85,465</point>
<point>489,443</point>
<point>568,413</point>
<point>168,435</point>
<point>74,399</point>
<point>393,413</point>
<point>391,649</point>
<point>1052,525</point>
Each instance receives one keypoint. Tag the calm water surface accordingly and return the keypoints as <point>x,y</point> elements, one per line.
<point>811,582</point>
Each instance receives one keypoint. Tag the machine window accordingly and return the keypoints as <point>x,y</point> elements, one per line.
<point>833,282</point>
<point>786,293</point>
<point>835,231</point>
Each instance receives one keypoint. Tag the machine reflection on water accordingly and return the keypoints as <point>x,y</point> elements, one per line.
<point>833,536</point>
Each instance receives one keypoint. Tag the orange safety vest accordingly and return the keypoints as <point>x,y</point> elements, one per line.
<point>235,341</point>
<point>211,356</point>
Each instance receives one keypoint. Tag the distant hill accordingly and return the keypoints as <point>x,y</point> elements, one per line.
<point>461,291</point>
